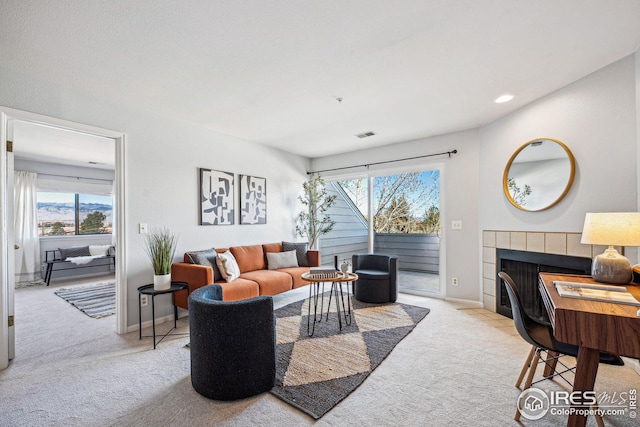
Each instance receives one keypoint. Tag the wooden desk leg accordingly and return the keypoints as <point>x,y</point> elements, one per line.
<point>586,371</point>
<point>550,364</point>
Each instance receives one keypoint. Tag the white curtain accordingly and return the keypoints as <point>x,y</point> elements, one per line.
<point>26,227</point>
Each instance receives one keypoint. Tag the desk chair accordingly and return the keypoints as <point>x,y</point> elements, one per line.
<point>540,336</point>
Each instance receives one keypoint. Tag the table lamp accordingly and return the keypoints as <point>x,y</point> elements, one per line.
<point>611,229</point>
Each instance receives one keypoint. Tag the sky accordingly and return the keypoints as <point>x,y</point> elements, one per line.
<point>49,197</point>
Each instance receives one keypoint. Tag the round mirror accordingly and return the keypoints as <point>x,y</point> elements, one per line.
<point>539,174</point>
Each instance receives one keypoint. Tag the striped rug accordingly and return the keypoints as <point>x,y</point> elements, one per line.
<point>98,300</point>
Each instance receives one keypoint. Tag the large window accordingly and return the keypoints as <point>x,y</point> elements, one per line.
<point>402,203</point>
<point>68,214</point>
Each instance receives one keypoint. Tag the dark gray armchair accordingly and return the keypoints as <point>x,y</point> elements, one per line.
<point>233,348</point>
<point>377,277</point>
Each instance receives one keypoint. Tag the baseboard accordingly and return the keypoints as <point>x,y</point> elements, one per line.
<point>159,321</point>
<point>467,302</point>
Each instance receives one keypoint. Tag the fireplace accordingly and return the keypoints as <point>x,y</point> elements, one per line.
<point>523,267</point>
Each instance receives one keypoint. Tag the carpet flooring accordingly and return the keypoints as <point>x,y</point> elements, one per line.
<point>456,368</point>
<point>97,300</point>
<point>315,373</point>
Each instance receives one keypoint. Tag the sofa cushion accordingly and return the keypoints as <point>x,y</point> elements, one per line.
<point>249,258</point>
<point>205,257</point>
<point>228,266</point>
<point>301,251</point>
<point>272,247</point>
<point>239,289</point>
<point>276,260</point>
<point>99,250</point>
<point>271,282</point>
<point>296,275</point>
<point>74,251</point>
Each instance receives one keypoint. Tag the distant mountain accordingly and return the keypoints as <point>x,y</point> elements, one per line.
<point>48,211</point>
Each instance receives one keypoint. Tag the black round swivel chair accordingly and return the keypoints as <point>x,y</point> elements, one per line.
<point>233,350</point>
<point>377,278</point>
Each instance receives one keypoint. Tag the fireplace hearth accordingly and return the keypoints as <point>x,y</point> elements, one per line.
<point>523,267</point>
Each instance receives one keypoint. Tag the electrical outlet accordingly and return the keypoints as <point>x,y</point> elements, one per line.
<point>144,300</point>
<point>142,228</point>
<point>454,281</point>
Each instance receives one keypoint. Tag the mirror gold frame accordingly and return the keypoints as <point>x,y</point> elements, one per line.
<point>565,190</point>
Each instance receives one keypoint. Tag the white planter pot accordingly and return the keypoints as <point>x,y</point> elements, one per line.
<point>161,282</point>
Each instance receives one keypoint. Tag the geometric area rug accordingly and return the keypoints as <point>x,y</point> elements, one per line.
<point>97,300</point>
<point>315,373</point>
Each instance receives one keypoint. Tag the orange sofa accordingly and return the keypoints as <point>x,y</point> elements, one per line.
<point>255,279</point>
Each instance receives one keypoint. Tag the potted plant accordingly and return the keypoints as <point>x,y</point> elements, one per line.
<point>314,221</point>
<point>161,247</point>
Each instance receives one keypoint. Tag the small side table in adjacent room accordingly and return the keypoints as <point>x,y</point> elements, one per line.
<point>149,290</point>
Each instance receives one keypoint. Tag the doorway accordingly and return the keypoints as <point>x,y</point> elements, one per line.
<point>8,119</point>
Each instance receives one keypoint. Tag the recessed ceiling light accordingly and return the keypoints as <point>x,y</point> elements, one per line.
<point>503,98</point>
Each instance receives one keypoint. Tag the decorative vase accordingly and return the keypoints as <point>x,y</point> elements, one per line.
<point>344,268</point>
<point>161,282</point>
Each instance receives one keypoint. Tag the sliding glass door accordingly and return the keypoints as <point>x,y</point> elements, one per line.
<point>395,214</point>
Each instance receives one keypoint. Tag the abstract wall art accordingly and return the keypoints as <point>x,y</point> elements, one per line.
<point>216,197</point>
<point>253,200</point>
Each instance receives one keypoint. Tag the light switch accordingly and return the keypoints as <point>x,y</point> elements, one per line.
<point>142,228</point>
<point>456,225</point>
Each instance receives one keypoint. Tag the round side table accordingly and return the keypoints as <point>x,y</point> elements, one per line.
<point>149,290</point>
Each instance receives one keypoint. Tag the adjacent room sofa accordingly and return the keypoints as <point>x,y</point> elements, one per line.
<point>265,269</point>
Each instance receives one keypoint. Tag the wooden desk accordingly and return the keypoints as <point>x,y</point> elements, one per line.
<point>593,326</point>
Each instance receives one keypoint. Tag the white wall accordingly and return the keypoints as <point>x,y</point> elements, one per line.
<point>595,118</point>
<point>459,193</point>
<point>162,160</point>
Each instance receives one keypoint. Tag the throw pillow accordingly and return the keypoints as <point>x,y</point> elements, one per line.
<point>99,250</point>
<point>74,251</point>
<point>301,251</point>
<point>277,260</point>
<point>206,257</point>
<point>228,266</point>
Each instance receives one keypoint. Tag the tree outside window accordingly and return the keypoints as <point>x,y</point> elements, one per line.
<point>403,203</point>
<point>93,223</point>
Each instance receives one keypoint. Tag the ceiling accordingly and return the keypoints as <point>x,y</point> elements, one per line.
<point>40,143</point>
<point>273,72</point>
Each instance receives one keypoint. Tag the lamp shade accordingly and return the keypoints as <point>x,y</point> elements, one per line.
<point>611,229</point>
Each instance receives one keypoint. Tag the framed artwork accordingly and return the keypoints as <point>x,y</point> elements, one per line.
<point>253,200</point>
<point>216,197</point>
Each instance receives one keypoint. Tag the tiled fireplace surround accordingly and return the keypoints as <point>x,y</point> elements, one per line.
<point>549,243</point>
